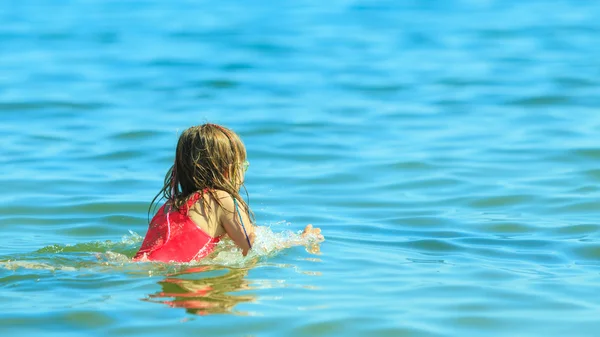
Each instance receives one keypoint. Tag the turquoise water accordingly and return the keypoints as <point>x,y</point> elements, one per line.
<point>448,150</point>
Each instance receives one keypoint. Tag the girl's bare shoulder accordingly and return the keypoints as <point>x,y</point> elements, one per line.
<point>224,199</point>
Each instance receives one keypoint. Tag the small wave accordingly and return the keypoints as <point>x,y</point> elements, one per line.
<point>125,245</point>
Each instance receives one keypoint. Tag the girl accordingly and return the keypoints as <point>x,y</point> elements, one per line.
<point>202,199</point>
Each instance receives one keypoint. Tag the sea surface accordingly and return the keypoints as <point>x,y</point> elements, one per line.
<point>448,150</point>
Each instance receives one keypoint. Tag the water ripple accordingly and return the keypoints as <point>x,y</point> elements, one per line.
<point>447,149</point>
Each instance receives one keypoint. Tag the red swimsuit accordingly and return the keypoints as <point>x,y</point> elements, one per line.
<point>173,237</point>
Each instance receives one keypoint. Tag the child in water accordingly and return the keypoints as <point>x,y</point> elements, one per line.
<point>203,203</point>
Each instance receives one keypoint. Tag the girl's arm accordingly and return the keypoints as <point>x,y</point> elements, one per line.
<point>234,219</point>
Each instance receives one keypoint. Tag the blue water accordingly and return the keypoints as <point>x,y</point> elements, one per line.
<point>448,150</point>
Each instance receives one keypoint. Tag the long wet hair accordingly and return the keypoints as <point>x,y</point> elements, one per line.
<point>208,157</point>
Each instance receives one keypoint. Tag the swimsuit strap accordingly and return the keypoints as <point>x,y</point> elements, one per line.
<point>242,222</point>
<point>192,200</point>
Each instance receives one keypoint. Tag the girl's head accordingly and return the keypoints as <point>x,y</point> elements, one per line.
<point>208,156</point>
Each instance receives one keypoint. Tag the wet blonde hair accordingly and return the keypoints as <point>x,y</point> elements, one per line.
<point>208,157</point>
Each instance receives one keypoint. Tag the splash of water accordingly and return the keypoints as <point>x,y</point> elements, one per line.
<point>117,254</point>
<point>266,244</point>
